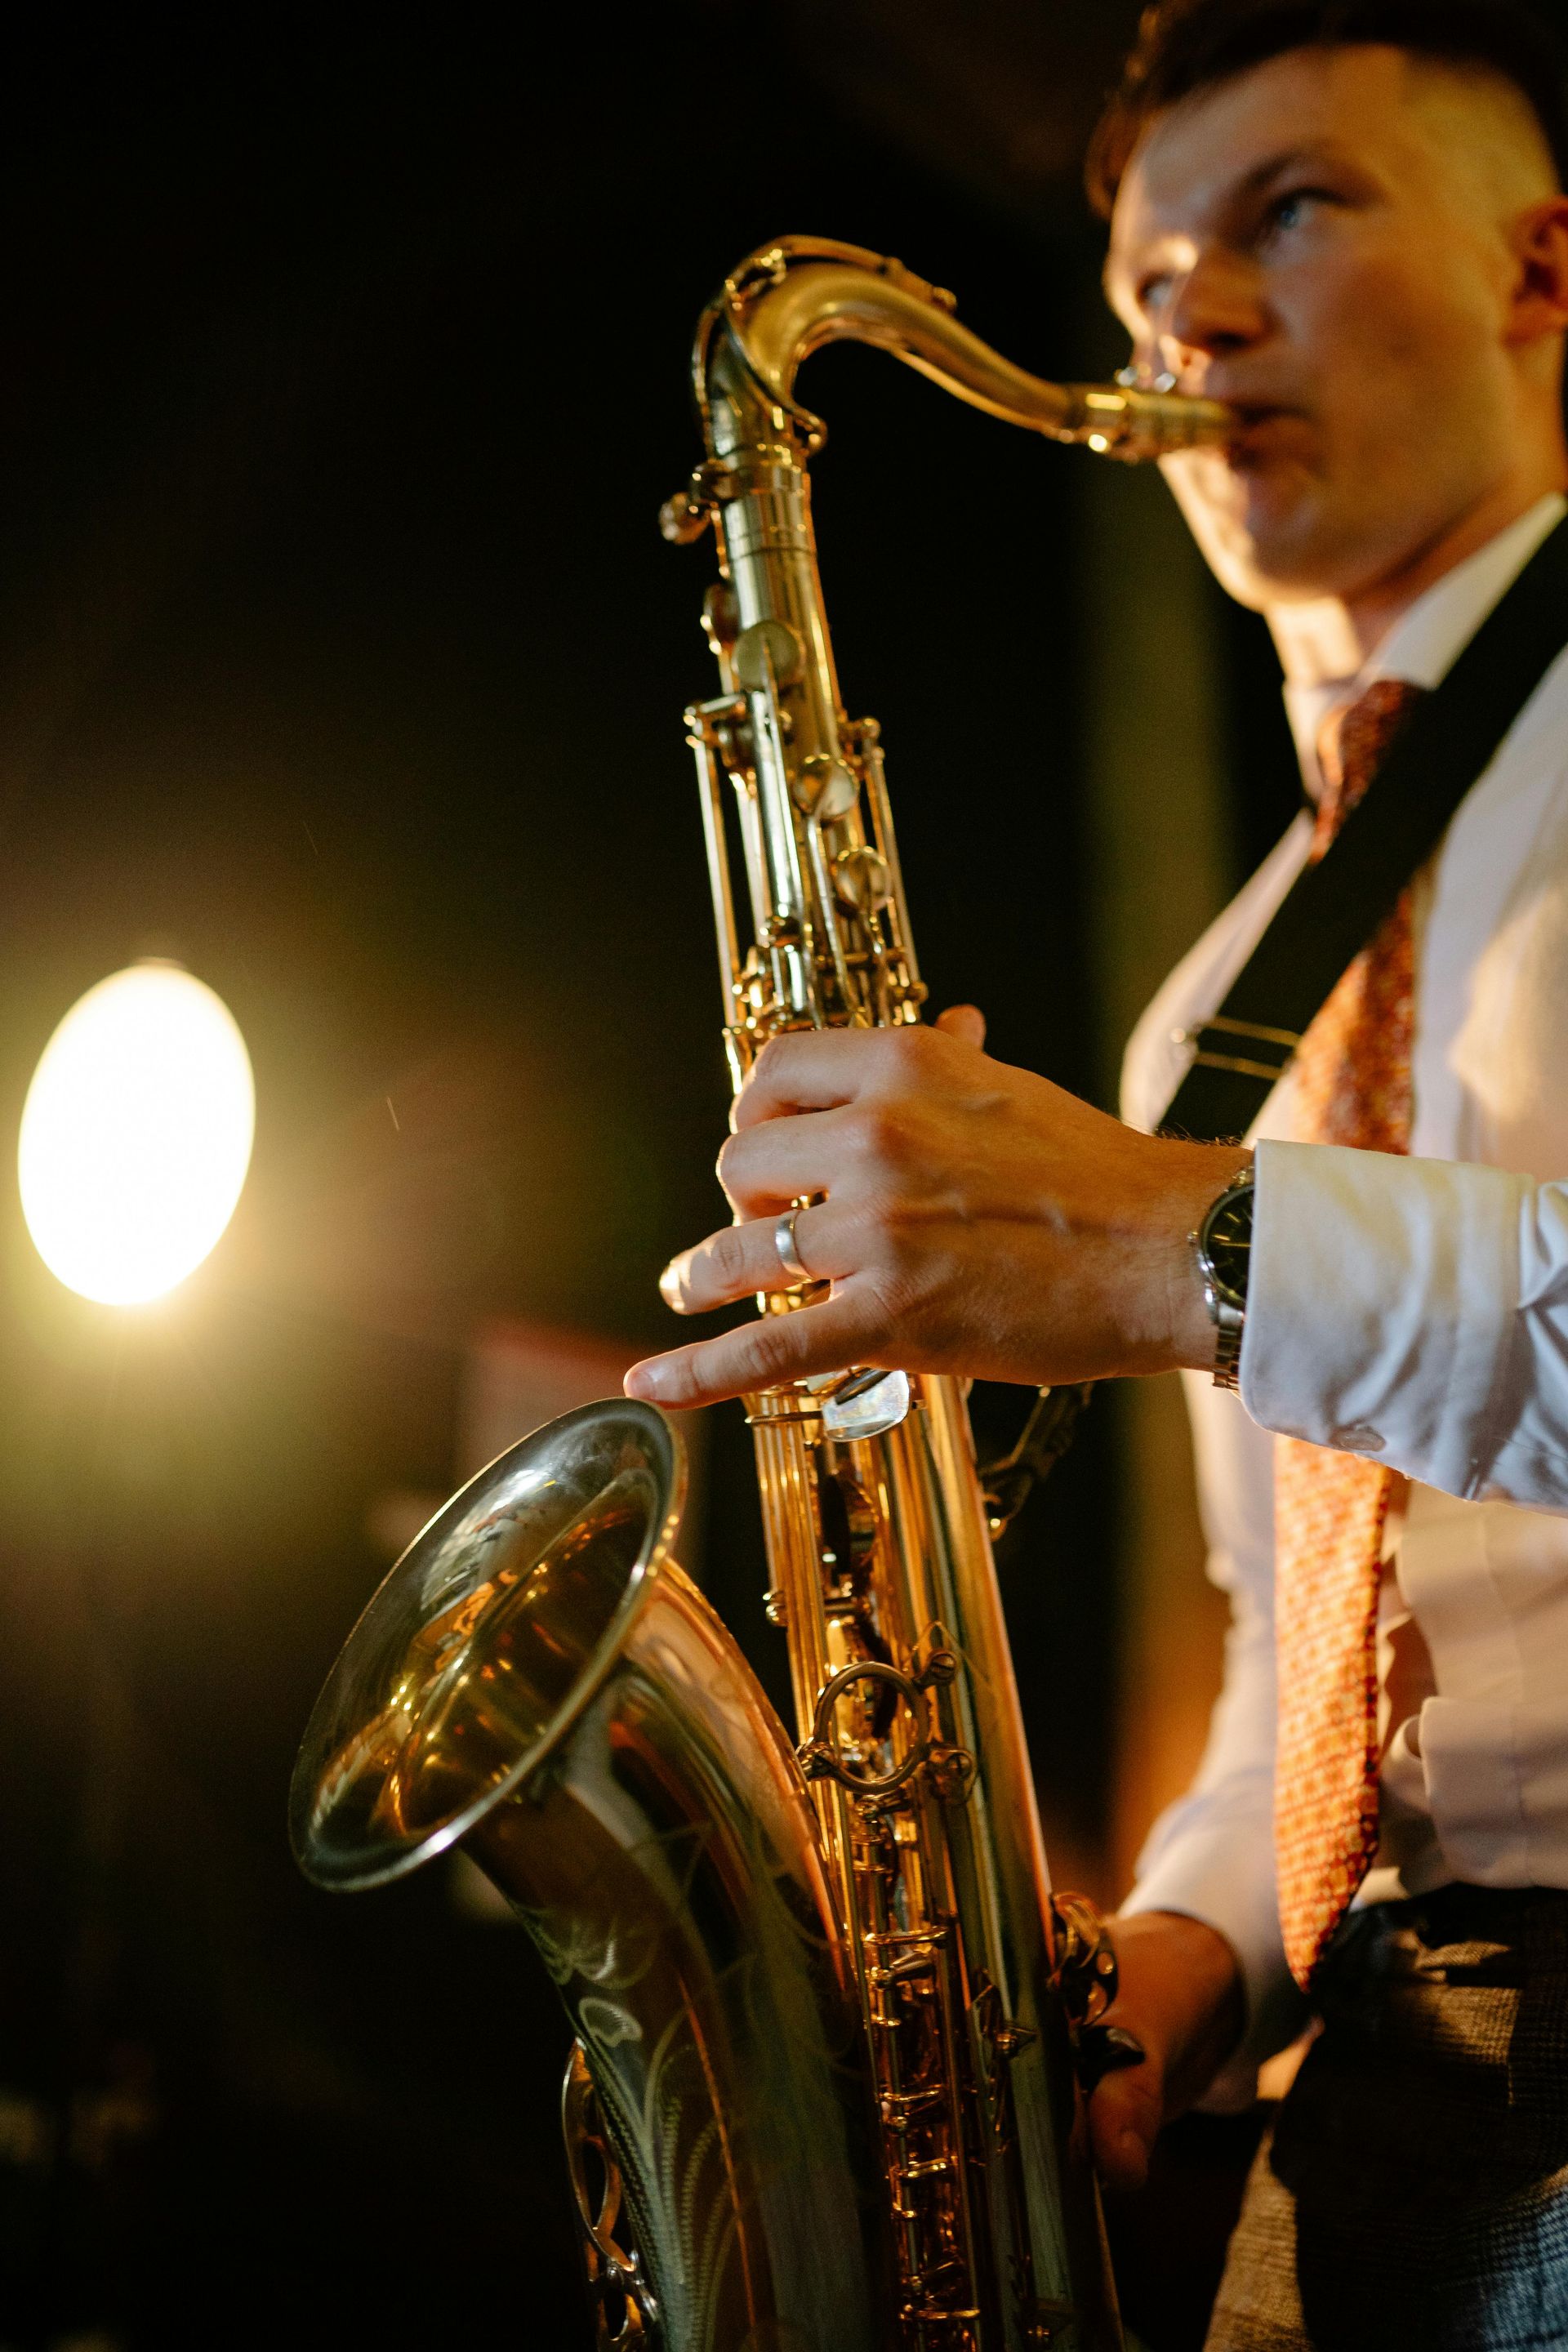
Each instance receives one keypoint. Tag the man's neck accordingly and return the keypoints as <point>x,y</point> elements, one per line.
<point>1333,638</point>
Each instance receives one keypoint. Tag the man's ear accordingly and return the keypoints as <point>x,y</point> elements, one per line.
<point>1540,288</point>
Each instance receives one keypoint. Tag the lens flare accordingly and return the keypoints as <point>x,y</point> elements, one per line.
<point>136,1134</point>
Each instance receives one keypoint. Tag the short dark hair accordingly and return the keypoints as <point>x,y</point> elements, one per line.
<point>1185,45</point>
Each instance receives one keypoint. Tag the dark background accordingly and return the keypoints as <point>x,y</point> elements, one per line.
<point>341,373</point>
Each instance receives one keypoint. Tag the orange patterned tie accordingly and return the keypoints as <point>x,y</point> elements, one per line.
<point>1352,1079</point>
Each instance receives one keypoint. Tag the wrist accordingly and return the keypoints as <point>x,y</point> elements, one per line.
<point>1184,1979</point>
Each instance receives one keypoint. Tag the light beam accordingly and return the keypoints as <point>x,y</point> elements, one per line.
<point>136,1134</point>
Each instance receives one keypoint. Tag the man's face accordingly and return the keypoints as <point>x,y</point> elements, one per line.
<point>1317,243</point>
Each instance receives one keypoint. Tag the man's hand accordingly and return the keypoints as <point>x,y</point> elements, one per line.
<point>968,1217</point>
<point>1179,1991</point>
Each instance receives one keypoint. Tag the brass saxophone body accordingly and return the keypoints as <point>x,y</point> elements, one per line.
<point>825,2092</point>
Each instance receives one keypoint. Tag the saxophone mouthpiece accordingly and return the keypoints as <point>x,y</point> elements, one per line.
<point>1137,426</point>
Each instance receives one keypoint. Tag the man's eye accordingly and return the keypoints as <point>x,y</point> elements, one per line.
<point>1293,209</point>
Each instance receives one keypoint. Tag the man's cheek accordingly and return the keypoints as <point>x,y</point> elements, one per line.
<point>1376,325</point>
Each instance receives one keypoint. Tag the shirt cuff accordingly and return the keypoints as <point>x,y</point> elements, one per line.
<point>1383,1302</point>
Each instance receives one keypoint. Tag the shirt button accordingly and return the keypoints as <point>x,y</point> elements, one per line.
<point>1360,1438</point>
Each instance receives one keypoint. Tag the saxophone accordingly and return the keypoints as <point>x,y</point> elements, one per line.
<point>832,2030</point>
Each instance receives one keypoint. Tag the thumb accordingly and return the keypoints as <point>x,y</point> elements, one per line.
<point>1124,2118</point>
<point>964,1022</point>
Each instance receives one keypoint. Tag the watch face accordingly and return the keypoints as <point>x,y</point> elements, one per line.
<point>1227,1244</point>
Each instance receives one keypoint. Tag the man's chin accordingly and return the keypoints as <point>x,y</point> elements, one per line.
<point>1270,540</point>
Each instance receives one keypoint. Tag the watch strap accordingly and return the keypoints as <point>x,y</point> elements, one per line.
<point>1230,1324</point>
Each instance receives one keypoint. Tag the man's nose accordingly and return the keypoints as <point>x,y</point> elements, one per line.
<point>1215,310</point>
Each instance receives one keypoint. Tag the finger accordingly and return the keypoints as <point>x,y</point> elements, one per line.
<point>964,1022</point>
<point>1124,2118</point>
<point>808,1069</point>
<point>765,1169</point>
<point>761,1354</point>
<point>742,1259</point>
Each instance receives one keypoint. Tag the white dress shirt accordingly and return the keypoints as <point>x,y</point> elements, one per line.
<point>1416,1311</point>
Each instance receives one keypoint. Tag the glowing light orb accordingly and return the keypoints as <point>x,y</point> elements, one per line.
<point>136,1134</point>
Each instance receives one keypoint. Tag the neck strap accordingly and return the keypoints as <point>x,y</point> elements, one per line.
<point>1334,907</point>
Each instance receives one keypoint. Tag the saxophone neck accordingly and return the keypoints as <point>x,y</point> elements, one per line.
<point>788,298</point>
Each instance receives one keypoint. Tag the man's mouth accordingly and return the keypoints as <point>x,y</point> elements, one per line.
<point>1266,433</point>
<point>1260,421</point>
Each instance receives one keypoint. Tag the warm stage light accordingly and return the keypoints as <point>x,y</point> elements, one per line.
<point>136,1134</point>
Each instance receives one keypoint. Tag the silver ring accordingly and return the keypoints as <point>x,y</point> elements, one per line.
<point>789,1254</point>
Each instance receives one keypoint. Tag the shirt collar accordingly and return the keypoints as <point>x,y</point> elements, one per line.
<point>1422,647</point>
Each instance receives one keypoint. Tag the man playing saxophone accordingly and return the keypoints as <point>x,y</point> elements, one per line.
<point>1345,220</point>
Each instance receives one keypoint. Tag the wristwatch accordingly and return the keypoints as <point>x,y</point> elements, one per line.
<point>1224,1246</point>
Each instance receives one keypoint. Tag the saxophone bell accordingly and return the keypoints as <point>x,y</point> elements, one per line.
<point>537,1679</point>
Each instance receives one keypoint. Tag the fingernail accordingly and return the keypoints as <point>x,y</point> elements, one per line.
<point>670,1285</point>
<point>647,1382</point>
